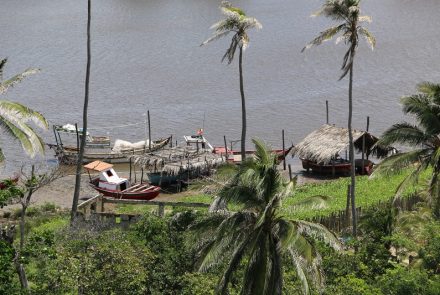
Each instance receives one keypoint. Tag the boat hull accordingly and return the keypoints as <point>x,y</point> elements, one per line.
<point>148,194</point>
<point>335,168</point>
<point>69,155</point>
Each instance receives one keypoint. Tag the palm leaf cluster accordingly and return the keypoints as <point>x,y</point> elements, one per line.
<point>15,117</point>
<point>349,13</point>
<point>235,22</point>
<point>423,138</point>
<point>258,234</point>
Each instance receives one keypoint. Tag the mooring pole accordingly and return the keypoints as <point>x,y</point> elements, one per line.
<point>284,148</point>
<point>368,123</point>
<point>149,130</point>
<point>130,172</point>
<point>326,110</point>
<point>77,136</point>
<point>368,127</point>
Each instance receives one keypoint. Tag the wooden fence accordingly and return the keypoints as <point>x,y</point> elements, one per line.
<point>94,209</point>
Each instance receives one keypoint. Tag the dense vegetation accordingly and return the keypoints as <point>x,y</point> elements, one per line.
<point>396,254</point>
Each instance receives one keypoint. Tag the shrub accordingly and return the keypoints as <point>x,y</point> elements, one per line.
<point>352,285</point>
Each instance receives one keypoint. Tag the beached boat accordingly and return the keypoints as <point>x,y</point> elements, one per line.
<point>109,184</point>
<point>68,154</point>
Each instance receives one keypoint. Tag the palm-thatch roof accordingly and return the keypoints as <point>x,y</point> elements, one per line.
<point>327,142</point>
<point>178,159</point>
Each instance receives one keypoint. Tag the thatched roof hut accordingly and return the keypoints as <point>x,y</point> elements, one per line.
<point>328,142</point>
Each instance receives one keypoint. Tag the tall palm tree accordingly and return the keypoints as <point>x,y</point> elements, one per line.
<point>84,130</point>
<point>258,233</point>
<point>15,117</point>
<point>238,23</point>
<point>349,13</point>
<point>424,140</point>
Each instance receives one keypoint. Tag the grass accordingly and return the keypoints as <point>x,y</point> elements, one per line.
<point>369,192</point>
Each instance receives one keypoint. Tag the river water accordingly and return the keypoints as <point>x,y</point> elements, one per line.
<point>146,56</point>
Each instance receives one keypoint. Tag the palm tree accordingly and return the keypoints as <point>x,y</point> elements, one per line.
<point>15,117</point>
<point>347,11</point>
<point>84,131</point>
<point>258,234</point>
<point>238,23</point>
<point>424,140</point>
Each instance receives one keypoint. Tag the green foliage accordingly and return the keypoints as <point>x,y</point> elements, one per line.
<point>7,272</point>
<point>106,262</point>
<point>199,284</point>
<point>170,258</point>
<point>257,235</point>
<point>352,285</point>
<point>404,281</point>
<point>9,192</point>
<point>430,253</point>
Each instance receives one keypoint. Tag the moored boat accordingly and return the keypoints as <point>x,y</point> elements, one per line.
<point>109,184</point>
<point>69,154</point>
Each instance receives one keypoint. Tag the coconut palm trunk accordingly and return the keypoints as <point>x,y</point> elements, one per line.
<point>243,107</point>
<point>351,151</point>
<point>84,131</point>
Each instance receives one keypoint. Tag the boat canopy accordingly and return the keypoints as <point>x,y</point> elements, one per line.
<point>98,166</point>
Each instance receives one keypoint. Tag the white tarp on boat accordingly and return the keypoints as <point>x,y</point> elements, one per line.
<point>122,145</point>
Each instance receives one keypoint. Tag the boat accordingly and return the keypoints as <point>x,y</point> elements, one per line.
<point>68,155</point>
<point>72,130</point>
<point>338,167</point>
<point>234,156</point>
<point>109,184</point>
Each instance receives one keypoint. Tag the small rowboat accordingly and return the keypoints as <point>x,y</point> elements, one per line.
<point>111,185</point>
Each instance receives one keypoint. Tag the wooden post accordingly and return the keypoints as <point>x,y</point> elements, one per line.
<point>142,175</point>
<point>347,208</point>
<point>171,141</point>
<point>326,111</point>
<point>368,123</point>
<point>363,154</point>
<point>129,178</point>
<point>368,127</point>
<point>290,172</point>
<point>149,131</point>
<point>161,210</point>
<point>226,147</point>
<point>77,136</point>
<point>284,148</point>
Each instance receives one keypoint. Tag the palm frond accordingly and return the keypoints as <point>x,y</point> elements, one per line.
<point>222,287</point>
<point>215,37</point>
<point>410,180</point>
<point>314,202</point>
<point>5,85</point>
<point>368,36</point>
<point>429,88</point>
<point>324,36</point>
<point>426,112</point>
<point>19,130</point>
<point>2,65</point>
<point>396,163</point>
<point>318,232</point>
<point>403,133</point>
